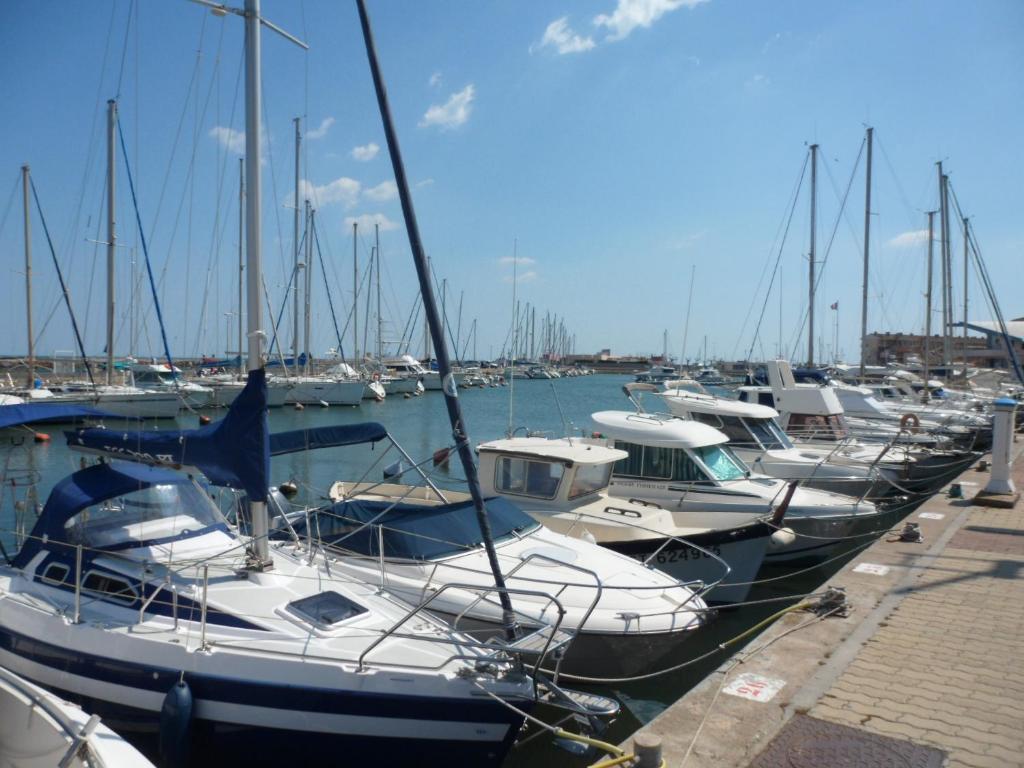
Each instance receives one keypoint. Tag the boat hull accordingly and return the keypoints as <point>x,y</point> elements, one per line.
<point>245,721</point>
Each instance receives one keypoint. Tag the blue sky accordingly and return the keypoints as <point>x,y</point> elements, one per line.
<point>617,142</point>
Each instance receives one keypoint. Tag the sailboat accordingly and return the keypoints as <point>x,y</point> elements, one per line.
<point>134,593</point>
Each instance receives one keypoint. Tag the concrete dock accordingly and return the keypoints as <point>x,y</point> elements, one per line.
<point>927,668</point>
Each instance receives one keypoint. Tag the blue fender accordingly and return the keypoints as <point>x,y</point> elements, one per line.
<point>176,726</point>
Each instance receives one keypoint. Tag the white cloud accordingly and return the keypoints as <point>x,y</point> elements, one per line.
<point>320,132</point>
<point>758,80</point>
<point>910,239</point>
<point>424,183</point>
<point>516,260</point>
<point>386,190</point>
<point>559,36</point>
<point>435,80</point>
<point>232,140</point>
<point>366,152</point>
<point>630,14</point>
<point>367,220</point>
<point>452,113</point>
<point>344,190</point>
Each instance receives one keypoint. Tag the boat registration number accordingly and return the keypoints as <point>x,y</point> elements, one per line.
<point>682,555</point>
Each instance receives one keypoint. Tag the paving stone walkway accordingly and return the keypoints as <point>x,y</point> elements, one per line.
<point>946,667</point>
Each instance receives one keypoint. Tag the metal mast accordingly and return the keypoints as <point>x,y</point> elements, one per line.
<point>355,293</point>
<point>814,213</point>
<point>944,264</point>
<point>928,305</point>
<point>867,251</point>
<point>380,343</point>
<point>308,286</point>
<point>448,386</point>
<point>25,184</point>
<point>241,256</point>
<point>111,235</point>
<point>966,263</point>
<point>297,262</point>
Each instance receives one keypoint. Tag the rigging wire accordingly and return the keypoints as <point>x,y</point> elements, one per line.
<point>778,258</point>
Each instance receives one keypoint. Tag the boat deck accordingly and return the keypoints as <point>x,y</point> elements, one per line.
<point>925,670</point>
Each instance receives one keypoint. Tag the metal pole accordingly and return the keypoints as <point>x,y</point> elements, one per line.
<point>25,183</point>
<point>308,285</point>
<point>966,260</point>
<point>380,347</point>
<point>295,240</point>
<point>111,235</point>
<point>241,257</point>
<point>867,250</point>
<point>355,294</point>
<point>448,386</point>
<point>944,264</point>
<point>254,239</point>
<point>928,305</point>
<point>810,297</point>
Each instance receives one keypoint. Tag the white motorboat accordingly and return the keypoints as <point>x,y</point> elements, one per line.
<point>419,541</point>
<point>226,388</point>
<point>685,465</point>
<point>813,417</point>
<point>41,730</point>
<point>318,390</point>
<point>756,437</point>
<point>563,483</point>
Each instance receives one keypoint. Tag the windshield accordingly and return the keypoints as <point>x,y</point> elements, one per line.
<point>523,477</point>
<point>722,462</point>
<point>590,478</point>
<point>159,512</point>
<point>768,433</point>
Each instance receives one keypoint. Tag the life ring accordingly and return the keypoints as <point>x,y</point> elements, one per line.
<point>910,420</point>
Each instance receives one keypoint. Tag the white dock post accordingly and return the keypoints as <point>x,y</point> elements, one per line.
<point>1000,491</point>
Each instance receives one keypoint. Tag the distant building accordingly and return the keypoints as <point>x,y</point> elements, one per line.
<point>986,351</point>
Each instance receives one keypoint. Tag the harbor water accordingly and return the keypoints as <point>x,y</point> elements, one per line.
<point>553,407</point>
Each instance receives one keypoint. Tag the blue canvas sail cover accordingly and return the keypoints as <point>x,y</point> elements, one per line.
<point>34,413</point>
<point>233,452</point>
<point>326,437</point>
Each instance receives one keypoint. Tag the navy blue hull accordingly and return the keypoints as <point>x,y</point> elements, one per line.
<point>226,744</point>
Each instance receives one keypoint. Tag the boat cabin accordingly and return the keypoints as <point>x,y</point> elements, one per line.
<point>668,449</point>
<point>569,471</point>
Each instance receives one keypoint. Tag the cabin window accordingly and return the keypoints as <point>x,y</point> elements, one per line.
<point>721,461</point>
<point>326,608</point>
<point>817,426</point>
<point>654,463</point>
<point>589,478</point>
<point>55,573</point>
<point>730,425</point>
<point>768,434</point>
<point>766,398</point>
<point>528,478</point>
<point>109,587</point>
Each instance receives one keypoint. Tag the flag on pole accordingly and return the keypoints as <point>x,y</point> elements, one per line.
<point>835,305</point>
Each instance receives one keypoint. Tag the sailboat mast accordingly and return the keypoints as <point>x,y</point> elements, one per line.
<point>867,251</point>
<point>111,235</point>
<point>355,293</point>
<point>966,259</point>
<point>686,324</point>
<point>25,184</point>
<point>944,264</point>
<point>308,287</point>
<point>810,295</point>
<point>241,255</point>
<point>928,304</point>
<point>254,242</point>
<point>295,241</point>
<point>376,239</point>
<point>448,385</point>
